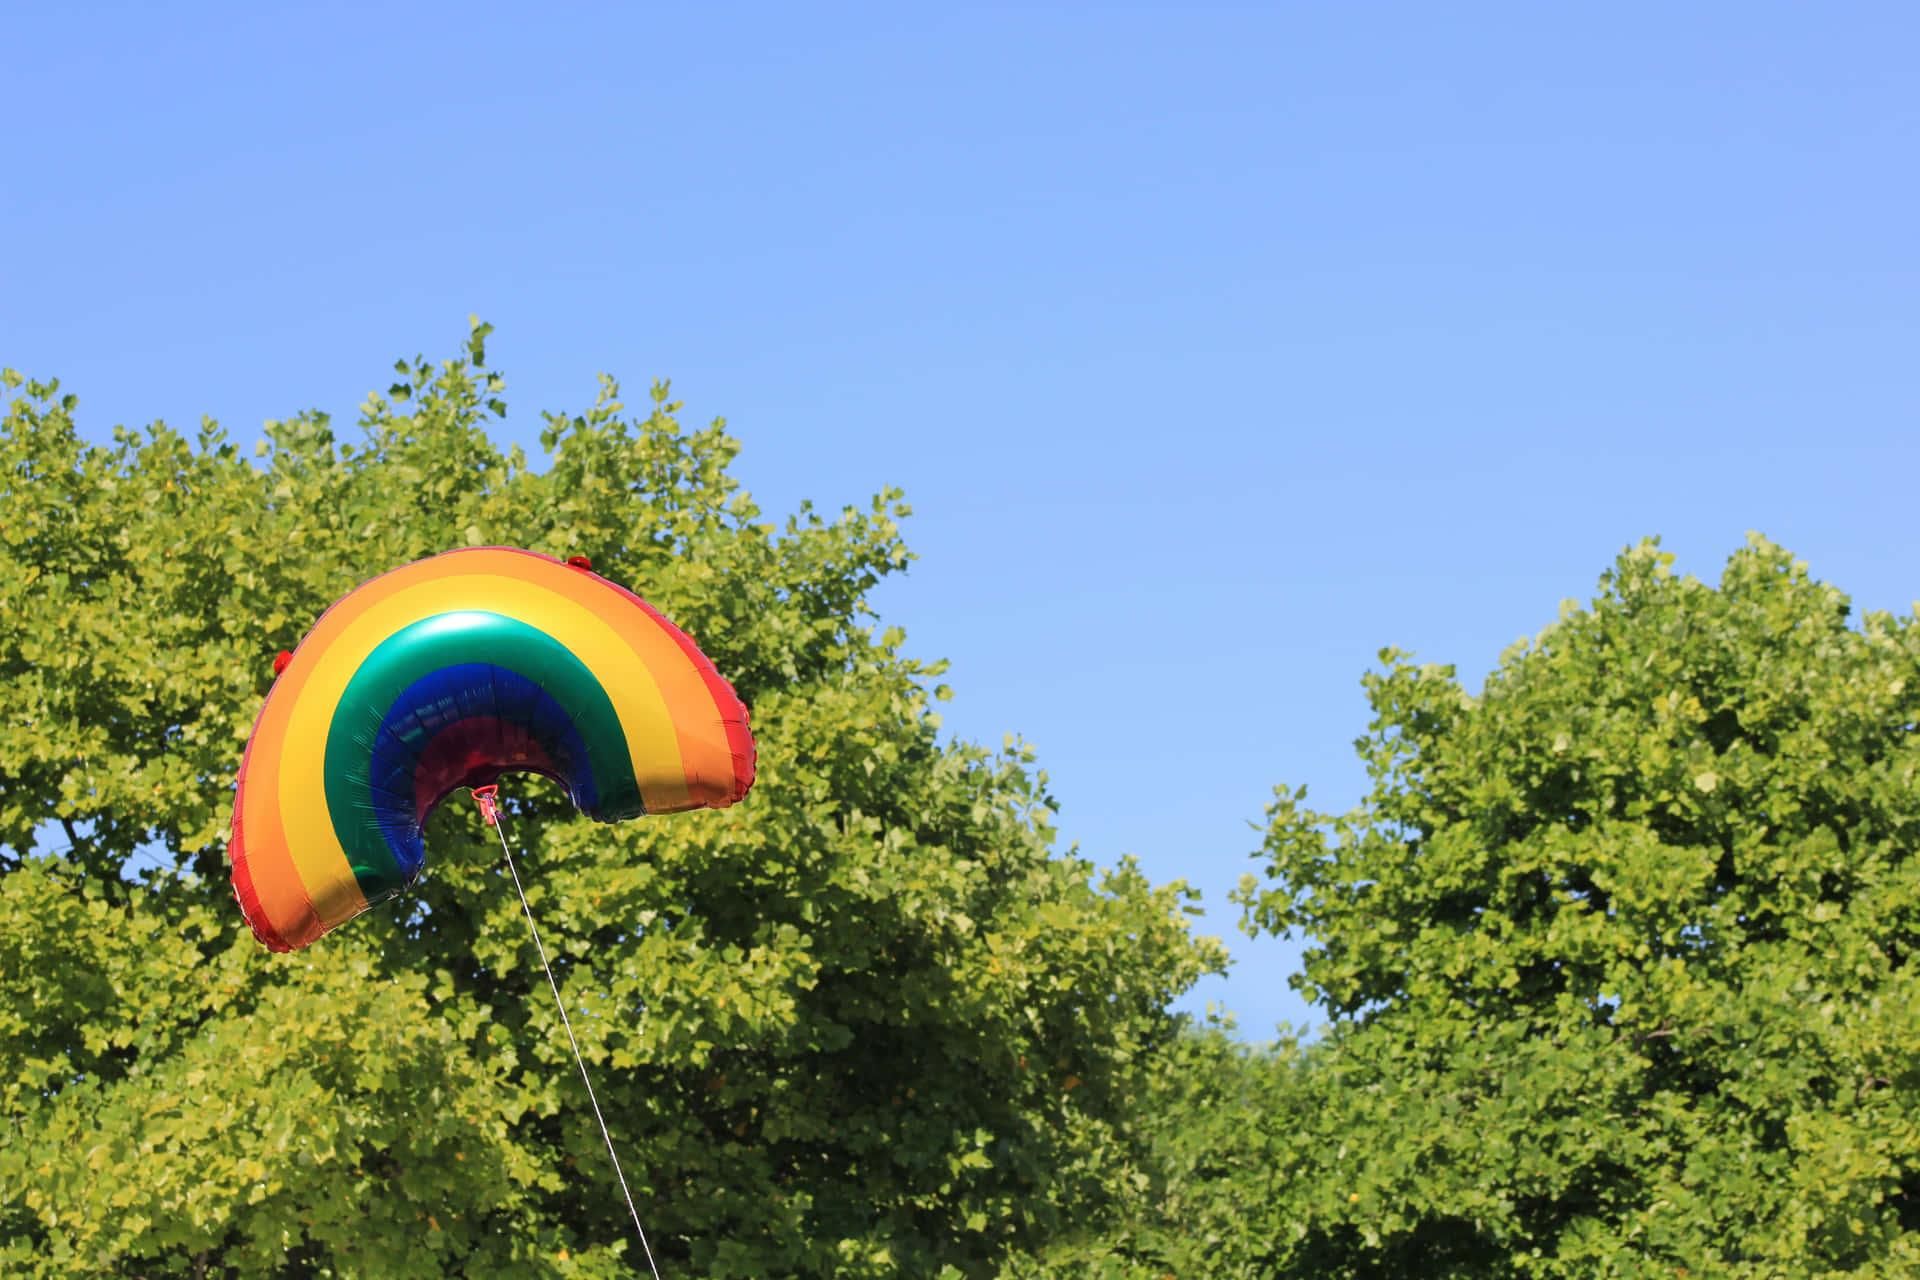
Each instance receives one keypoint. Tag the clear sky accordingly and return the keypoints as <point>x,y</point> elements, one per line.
<point>1216,348</point>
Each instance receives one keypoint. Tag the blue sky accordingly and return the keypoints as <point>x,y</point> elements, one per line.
<point>1215,348</point>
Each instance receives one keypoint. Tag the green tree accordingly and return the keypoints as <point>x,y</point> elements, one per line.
<point>1208,1166</point>
<point>867,1023</point>
<point>1617,952</point>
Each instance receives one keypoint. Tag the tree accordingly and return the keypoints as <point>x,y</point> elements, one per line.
<point>1617,952</point>
<point>1208,1166</point>
<point>866,1023</point>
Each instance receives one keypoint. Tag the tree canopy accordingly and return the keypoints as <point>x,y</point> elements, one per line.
<point>869,1022</point>
<point>1617,951</point>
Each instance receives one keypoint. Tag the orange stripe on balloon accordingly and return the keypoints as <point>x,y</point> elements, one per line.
<point>282,897</point>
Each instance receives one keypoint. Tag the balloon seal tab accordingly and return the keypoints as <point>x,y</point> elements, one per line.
<point>489,804</point>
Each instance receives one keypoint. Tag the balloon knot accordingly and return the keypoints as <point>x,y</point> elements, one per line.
<point>488,807</point>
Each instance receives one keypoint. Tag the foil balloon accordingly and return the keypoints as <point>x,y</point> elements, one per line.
<point>445,674</point>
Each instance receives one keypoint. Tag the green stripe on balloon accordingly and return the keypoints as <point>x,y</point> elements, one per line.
<point>429,645</point>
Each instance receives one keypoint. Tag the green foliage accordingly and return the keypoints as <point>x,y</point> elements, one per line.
<point>1207,1166</point>
<point>1618,951</point>
<point>867,1023</point>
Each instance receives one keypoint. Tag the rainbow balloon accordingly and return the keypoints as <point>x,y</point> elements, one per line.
<point>446,673</point>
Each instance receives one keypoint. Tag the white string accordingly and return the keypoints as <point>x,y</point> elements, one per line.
<point>576,1050</point>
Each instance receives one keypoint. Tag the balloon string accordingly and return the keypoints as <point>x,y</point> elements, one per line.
<point>489,811</point>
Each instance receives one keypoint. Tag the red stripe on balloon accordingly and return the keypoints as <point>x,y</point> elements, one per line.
<point>472,753</point>
<point>251,908</point>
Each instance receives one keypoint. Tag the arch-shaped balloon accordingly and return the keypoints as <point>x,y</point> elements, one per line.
<point>446,673</point>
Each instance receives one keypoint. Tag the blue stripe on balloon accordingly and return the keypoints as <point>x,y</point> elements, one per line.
<point>443,699</point>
